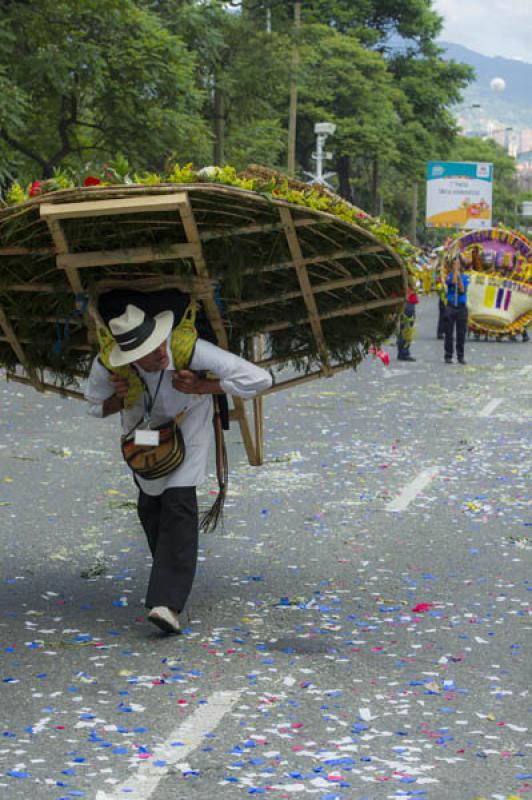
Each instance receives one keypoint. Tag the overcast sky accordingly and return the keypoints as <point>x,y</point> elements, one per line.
<point>491,27</point>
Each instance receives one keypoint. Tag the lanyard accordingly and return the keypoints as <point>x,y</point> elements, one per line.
<point>149,402</point>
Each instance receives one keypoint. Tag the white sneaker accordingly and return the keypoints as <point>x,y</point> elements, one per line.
<point>165,619</point>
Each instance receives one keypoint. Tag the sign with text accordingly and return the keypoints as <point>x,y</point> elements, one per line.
<point>459,194</point>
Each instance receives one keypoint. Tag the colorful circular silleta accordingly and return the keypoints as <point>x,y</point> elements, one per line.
<point>499,264</point>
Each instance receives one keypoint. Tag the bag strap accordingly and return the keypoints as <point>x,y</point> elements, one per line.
<point>211,517</point>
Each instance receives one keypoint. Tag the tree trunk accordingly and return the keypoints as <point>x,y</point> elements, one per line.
<point>219,124</point>
<point>292,112</point>
<point>343,170</point>
<point>375,187</point>
<point>413,225</point>
<point>46,166</point>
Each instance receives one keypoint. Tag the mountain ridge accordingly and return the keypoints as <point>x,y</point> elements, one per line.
<point>511,108</point>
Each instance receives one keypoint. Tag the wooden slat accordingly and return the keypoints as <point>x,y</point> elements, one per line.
<point>310,376</point>
<point>200,287</point>
<point>26,251</point>
<point>257,350</point>
<point>11,338</point>
<point>304,282</point>
<point>340,312</point>
<point>85,348</point>
<point>266,363</point>
<point>118,205</point>
<point>322,258</point>
<point>215,318</point>
<point>51,318</point>
<point>191,232</point>
<point>133,255</point>
<point>329,286</point>
<point>45,288</point>
<point>245,230</point>
<point>61,246</point>
<point>46,387</point>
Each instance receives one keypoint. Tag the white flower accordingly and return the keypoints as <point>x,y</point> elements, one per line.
<point>209,172</point>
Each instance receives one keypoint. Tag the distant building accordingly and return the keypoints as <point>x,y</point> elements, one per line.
<point>525,144</point>
<point>524,170</point>
<point>507,138</point>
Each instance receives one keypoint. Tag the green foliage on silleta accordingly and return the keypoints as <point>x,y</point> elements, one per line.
<point>258,179</point>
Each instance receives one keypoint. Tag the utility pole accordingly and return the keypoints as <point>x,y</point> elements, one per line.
<point>292,113</point>
<point>413,229</point>
<point>219,122</point>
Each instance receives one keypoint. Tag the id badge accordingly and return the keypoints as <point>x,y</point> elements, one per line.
<point>145,436</point>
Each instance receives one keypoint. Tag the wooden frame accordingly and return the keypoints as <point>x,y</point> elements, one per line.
<point>327,258</point>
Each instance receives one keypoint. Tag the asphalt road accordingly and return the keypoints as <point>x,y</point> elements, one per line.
<point>333,647</point>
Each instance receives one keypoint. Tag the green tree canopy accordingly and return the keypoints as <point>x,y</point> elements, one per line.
<point>243,72</point>
<point>85,79</point>
<point>345,83</point>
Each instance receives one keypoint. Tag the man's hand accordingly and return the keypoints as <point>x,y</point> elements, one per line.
<point>191,383</point>
<point>186,381</point>
<point>120,386</point>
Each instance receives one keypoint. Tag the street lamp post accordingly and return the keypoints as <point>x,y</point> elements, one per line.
<point>322,131</point>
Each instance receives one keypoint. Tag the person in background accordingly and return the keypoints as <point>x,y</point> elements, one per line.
<point>456,312</point>
<point>406,327</point>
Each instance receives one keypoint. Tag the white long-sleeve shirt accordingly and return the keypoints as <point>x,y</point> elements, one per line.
<point>236,375</point>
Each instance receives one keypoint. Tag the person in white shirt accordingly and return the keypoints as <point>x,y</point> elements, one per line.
<point>167,506</point>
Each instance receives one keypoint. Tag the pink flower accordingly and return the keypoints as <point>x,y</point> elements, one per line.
<point>35,189</point>
<point>382,354</point>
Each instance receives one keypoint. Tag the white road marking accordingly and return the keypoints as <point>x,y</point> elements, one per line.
<point>490,407</point>
<point>412,489</point>
<point>142,784</point>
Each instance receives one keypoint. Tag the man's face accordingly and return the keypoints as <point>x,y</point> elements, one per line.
<point>156,360</point>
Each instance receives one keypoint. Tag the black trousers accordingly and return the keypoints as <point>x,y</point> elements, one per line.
<point>440,332</point>
<point>455,317</point>
<point>170,522</point>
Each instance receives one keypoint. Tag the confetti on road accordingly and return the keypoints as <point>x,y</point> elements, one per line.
<point>376,656</point>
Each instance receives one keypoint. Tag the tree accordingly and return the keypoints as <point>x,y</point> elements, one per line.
<point>392,130</point>
<point>243,72</point>
<point>86,80</point>
<point>345,83</point>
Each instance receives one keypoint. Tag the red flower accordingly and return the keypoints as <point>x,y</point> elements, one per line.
<point>35,189</point>
<point>382,354</point>
<point>90,180</point>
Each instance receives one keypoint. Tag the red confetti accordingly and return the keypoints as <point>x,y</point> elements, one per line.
<point>421,607</point>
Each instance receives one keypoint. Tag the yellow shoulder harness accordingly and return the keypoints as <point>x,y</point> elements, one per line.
<point>184,337</point>
<point>182,343</point>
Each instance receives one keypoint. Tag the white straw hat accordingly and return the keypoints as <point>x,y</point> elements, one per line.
<point>137,334</point>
